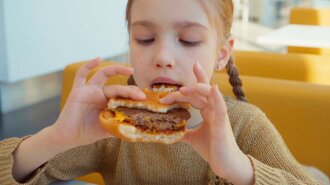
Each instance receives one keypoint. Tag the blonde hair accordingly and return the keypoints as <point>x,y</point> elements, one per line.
<point>220,14</point>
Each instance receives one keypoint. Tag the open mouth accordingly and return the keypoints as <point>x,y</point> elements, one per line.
<point>165,84</point>
<point>165,87</point>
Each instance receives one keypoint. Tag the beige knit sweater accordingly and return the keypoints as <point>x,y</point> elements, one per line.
<point>122,162</point>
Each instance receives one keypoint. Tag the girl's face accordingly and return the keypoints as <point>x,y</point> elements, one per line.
<point>167,37</point>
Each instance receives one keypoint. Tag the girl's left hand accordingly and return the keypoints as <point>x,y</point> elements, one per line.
<point>213,139</point>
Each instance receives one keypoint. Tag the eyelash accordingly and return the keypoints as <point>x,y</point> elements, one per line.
<point>187,43</point>
<point>145,42</point>
<point>148,42</point>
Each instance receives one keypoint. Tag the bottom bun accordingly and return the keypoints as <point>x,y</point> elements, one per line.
<point>130,133</point>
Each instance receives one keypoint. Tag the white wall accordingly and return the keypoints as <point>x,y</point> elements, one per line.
<point>44,36</point>
<point>3,64</point>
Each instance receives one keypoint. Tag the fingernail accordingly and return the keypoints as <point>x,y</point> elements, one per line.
<point>162,100</point>
<point>141,93</point>
<point>97,60</point>
<point>140,97</point>
<point>216,88</point>
<point>130,71</point>
<point>183,89</point>
<point>199,65</point>
<point>93,63</point>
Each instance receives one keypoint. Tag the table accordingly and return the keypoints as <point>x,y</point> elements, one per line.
<point>298,35</point>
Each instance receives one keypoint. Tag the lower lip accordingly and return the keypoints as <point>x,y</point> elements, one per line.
<point>165,81</point>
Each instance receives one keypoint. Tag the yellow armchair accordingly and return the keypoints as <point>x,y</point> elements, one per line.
<point>299,67</point>
<point>300,111</point>
<point>310,16</point>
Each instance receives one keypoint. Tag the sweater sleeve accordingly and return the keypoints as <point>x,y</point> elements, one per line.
<point>271,159</point>
<point>65,166</point>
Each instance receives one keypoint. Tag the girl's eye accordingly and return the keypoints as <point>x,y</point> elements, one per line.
<point>188,43</point>
<point>145,41</point>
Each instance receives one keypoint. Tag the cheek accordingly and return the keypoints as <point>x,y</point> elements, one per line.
<point>205,59</point>
<point>139,64</point>
<point>136,58</point>
<point>208,62</point>
<point>209,69</point>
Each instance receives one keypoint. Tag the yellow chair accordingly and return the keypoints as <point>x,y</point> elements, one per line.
<point>289,66</point>
<point>94,178</point>
<point>300,111</point>
<point>310,16</point>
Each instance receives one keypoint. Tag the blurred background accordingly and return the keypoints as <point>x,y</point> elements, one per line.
<point>39,38</point>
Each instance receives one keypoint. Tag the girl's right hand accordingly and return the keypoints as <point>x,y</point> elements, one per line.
<point>78,123</point>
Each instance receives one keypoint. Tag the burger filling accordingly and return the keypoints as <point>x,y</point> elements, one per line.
<point>173,120</point>
<point>161,87</point>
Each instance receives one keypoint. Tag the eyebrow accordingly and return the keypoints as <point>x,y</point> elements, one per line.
<point>183,24</point>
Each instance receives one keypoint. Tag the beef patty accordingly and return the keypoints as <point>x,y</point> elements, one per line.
<point>152,121</point>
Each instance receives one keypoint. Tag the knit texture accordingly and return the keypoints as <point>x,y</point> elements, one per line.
<point>122,162</point>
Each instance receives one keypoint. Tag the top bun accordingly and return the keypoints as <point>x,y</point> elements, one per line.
<point>151,103</point>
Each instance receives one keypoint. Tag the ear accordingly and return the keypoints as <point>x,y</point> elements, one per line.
<point>224,54</point>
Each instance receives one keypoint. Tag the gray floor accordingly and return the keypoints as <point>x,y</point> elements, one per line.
<point>29,120</point>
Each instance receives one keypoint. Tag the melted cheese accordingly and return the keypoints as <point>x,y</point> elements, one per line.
<point>120,116</point>
<point>182,124</point>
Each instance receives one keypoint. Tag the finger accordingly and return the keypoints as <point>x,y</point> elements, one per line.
<point>200,73</point>
<point>195,100</point>
<point>135,88</point>
<point>131,92</point>
<point>80,78</point>
<point>217,108</point>
<point>219,103</point>
<point>103,75</point>
<point>200,88</point>
<point>221,123</point>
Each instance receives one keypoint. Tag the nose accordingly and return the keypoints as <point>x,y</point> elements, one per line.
<point>164,57</point>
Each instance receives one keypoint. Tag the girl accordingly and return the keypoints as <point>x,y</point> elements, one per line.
<point>181,42</point>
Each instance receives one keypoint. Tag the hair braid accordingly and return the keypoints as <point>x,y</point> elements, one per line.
<point>131,81</point>
<point>235,81</point>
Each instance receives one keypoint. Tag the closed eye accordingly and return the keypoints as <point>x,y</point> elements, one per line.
<point>145,41</point>
<point>189,43</point>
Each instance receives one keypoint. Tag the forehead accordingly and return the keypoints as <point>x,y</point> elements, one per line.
<point>179,13</point>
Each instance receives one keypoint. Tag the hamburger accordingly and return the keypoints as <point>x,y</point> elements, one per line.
<point>148,120</point>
